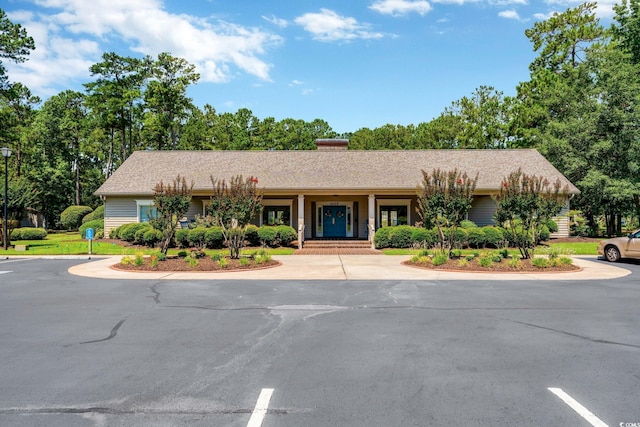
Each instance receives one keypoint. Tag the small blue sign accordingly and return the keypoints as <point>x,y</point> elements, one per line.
<point>89,233</point>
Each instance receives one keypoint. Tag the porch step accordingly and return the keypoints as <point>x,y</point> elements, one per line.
<point>330,244</point>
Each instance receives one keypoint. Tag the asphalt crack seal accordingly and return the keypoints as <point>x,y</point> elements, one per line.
<point>114,332</point>
<point>593,340</point>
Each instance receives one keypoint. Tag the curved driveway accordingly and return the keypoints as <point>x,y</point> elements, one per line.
<point>349,267</point>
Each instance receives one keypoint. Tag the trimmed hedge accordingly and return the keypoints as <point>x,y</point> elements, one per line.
<point>28,233</point>
<point>251,235</point>
<point>493,236</point>
<point>71,218</point>
<point>400,236</point>
<point>268,235</point>
<point>98,213</point>
<point>214,238</point>
<point>96,224</point>
<point>151,237</point>
<point>182,237</point>
<point>424,237</point>
<point>286,235</point>
<point>476,237</point>
<point>196,237</point>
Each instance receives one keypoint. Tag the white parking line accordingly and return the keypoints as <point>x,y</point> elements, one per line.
<point>262,405</point>
<point>2,272</point>
<point>576,406</point>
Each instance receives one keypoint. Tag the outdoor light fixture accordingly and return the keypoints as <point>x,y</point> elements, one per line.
<point>6,153</point>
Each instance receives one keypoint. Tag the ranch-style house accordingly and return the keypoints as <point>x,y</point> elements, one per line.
<point>328,193</point>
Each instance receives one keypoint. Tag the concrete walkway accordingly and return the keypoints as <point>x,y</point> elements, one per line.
<point>348,267</point>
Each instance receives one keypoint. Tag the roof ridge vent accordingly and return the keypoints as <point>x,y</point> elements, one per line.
<point>332,144</point>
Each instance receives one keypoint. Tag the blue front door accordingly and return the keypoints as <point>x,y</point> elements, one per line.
<point>334,221</point>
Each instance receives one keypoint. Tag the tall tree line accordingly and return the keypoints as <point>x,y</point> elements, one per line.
<point>579,108</point>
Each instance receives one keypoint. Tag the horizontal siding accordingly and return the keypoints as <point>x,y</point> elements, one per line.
<point>482,210</point>
<point>563,222</point>
<point>119,211</point>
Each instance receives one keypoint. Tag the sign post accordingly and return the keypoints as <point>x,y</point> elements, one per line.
<point>89,234</point>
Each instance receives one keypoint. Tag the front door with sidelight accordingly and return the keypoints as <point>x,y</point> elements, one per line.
<point>334,221</point>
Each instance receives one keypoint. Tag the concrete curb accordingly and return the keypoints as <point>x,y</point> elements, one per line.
<point>347,267</point>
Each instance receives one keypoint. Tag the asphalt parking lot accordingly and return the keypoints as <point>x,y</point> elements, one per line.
<point>87,351</point>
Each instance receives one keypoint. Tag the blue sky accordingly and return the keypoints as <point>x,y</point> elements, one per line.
<point>353,63</point>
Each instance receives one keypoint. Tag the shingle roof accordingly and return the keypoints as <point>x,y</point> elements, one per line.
<point>314,171</point>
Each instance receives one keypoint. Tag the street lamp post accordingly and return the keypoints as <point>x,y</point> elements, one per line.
<point>6,153</point>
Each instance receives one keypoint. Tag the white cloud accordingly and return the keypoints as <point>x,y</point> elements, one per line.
<point>460,2</point>
<point>279,22</point>
<point>603,10</point>
<point>507,2</point>
<point>401,7</point>
<point>73,34</point>
<point>509,14</point>
<point>329,26</point>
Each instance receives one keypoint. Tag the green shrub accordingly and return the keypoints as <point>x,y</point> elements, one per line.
<point>151,237</point>
<point>244,261</point>
<point>138,259</point>
<point>268,235</point>
<point>460,239</point>
<point>540,262</point>
<point>552,226</point>
<point>251,235</point>
<point>262,256</point>
<point>515,262</point>
<point>128,232</point>
<point>286,235</point>
<point>182,237</point>
<point>467,224</point>
<point>96,224</point>
<point>440,258</point>
<point>423,237</point>
<point>565,260</point>
<point>543,234</point>
<point>71,218</point>
<point>217,257</point>
<point>462,262</point>
<point>400,236</point>
<point>476,237</point>
<point>493,236</point>
<point>382,237</point>
<point>28,233</point>
<point>138,237</point>
<point>161,256</point>
<point>196,237</point>
<point>98,213</point>
<point>214,238</point>
<point>485,261</point>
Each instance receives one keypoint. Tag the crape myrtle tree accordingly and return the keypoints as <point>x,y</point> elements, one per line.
<point>233,206</point>
<point>172,202</point>
<point>524,204</point>
<point>444,199</point>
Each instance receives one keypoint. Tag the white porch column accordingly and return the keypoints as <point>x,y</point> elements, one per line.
<point>300,220</point>
<point>371,226</point>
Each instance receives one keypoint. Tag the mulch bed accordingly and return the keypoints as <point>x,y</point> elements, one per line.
<point>204,264</point>
<point>498,267</point>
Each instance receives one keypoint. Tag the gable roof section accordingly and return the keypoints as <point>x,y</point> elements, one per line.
<point>314,171</point>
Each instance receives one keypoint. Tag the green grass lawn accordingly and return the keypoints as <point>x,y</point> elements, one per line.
<point>71,244</point>
<point>574,248</point>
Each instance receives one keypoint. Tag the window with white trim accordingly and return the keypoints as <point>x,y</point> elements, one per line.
<point>146,210</point>
<point>393,212</point>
